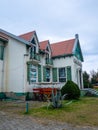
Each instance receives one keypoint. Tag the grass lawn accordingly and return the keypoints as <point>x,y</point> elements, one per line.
<point>81,112</point>
<point>96,89</point>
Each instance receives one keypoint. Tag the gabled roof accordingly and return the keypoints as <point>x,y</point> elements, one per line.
<point>43,45</point>
<point>62,48</point>
<point>27,36</point>
<point>13,36</point>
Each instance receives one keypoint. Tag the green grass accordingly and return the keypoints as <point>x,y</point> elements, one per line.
<point>81,112</point>
<point>96,89</point>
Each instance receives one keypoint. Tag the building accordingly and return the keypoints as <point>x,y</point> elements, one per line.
<point>26,63</point>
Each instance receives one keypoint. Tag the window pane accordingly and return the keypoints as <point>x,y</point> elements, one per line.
<point>33,74</point>
<point>62,72</point>
<point>48,74</point>
<point>32,52</point>
<point>62,75</point>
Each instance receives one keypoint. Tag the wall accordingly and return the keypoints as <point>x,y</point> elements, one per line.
<point>1,74</point>
<point>1,68</point>
<point>69,61</point>
<point>14,66</point>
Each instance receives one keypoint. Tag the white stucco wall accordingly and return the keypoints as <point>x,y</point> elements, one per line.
<point>14,66</point>
<point>1,74</point>
<point>69,61</point>
<point>62,62</point>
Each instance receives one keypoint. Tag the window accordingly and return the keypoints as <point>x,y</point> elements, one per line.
<point>47,58</point>
<point>32,52</point>
<point>33,74</point>
<point>33,49</point>
<point>48,74</point>
<point>33,41</point>
<point>1,52</point>
<point>62,75</point>
<point>54,74</point>
<point>47,48</point>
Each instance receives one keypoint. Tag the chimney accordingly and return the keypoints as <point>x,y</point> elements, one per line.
<point>76,36</point>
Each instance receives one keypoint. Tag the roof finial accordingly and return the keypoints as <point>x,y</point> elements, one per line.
<point>76,36</point>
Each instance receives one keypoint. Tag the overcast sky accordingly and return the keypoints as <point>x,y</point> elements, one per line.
<point>55,20</point>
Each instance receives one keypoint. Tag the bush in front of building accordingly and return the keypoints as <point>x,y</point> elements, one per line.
<point>71,90</point>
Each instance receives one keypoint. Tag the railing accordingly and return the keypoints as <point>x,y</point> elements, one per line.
<point>49,61</point>
<point>35,56</point>
<point>91,91</point>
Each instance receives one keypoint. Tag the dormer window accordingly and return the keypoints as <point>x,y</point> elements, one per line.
<point>47,56</point>
<point>33,41</point>
<point>47,49</point>
<point>33,49</point>
<point>32,52</point>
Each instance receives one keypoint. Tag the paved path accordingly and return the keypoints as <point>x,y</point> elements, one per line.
<point>16,122</point>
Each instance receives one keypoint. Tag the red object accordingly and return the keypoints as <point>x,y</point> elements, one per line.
<point>46,91</point>
<point>61,48</point>
<point>43,45</point>
<point>27,36</point>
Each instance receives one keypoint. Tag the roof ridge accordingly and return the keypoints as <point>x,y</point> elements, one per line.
<point>44,41</point>
<point>26,33</point>
<point>62,41</point>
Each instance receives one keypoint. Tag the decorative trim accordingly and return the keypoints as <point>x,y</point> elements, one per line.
<point>60,56</point>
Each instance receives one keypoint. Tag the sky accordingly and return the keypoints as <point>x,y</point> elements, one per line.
<point>55,20</point>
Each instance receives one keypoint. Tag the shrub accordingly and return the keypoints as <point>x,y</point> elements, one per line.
<point>71,89</point>
<point>56,99</point>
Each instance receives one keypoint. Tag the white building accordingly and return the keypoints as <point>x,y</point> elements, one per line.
<point>26,63</point>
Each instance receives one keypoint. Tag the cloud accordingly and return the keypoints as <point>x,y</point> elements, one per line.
<point>55,20</point>
<point>91,63</point>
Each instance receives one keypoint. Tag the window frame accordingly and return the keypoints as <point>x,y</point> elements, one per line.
<point>48,78</point>
<point>62,78</point>
<point>32,75</point>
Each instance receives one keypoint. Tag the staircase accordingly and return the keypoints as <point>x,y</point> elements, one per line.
<point>91,91</point>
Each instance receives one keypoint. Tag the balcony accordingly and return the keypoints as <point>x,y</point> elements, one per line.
<point>35,58</point>
<point>49,62</point>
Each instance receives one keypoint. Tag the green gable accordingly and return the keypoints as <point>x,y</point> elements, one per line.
<point>77,51</point>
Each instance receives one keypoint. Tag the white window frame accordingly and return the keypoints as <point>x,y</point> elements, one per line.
<point>63,77</point>
<point>32,75</point>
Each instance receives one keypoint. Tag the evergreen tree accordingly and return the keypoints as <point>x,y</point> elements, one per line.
<point>94,77</point>
<point>86,81</point>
